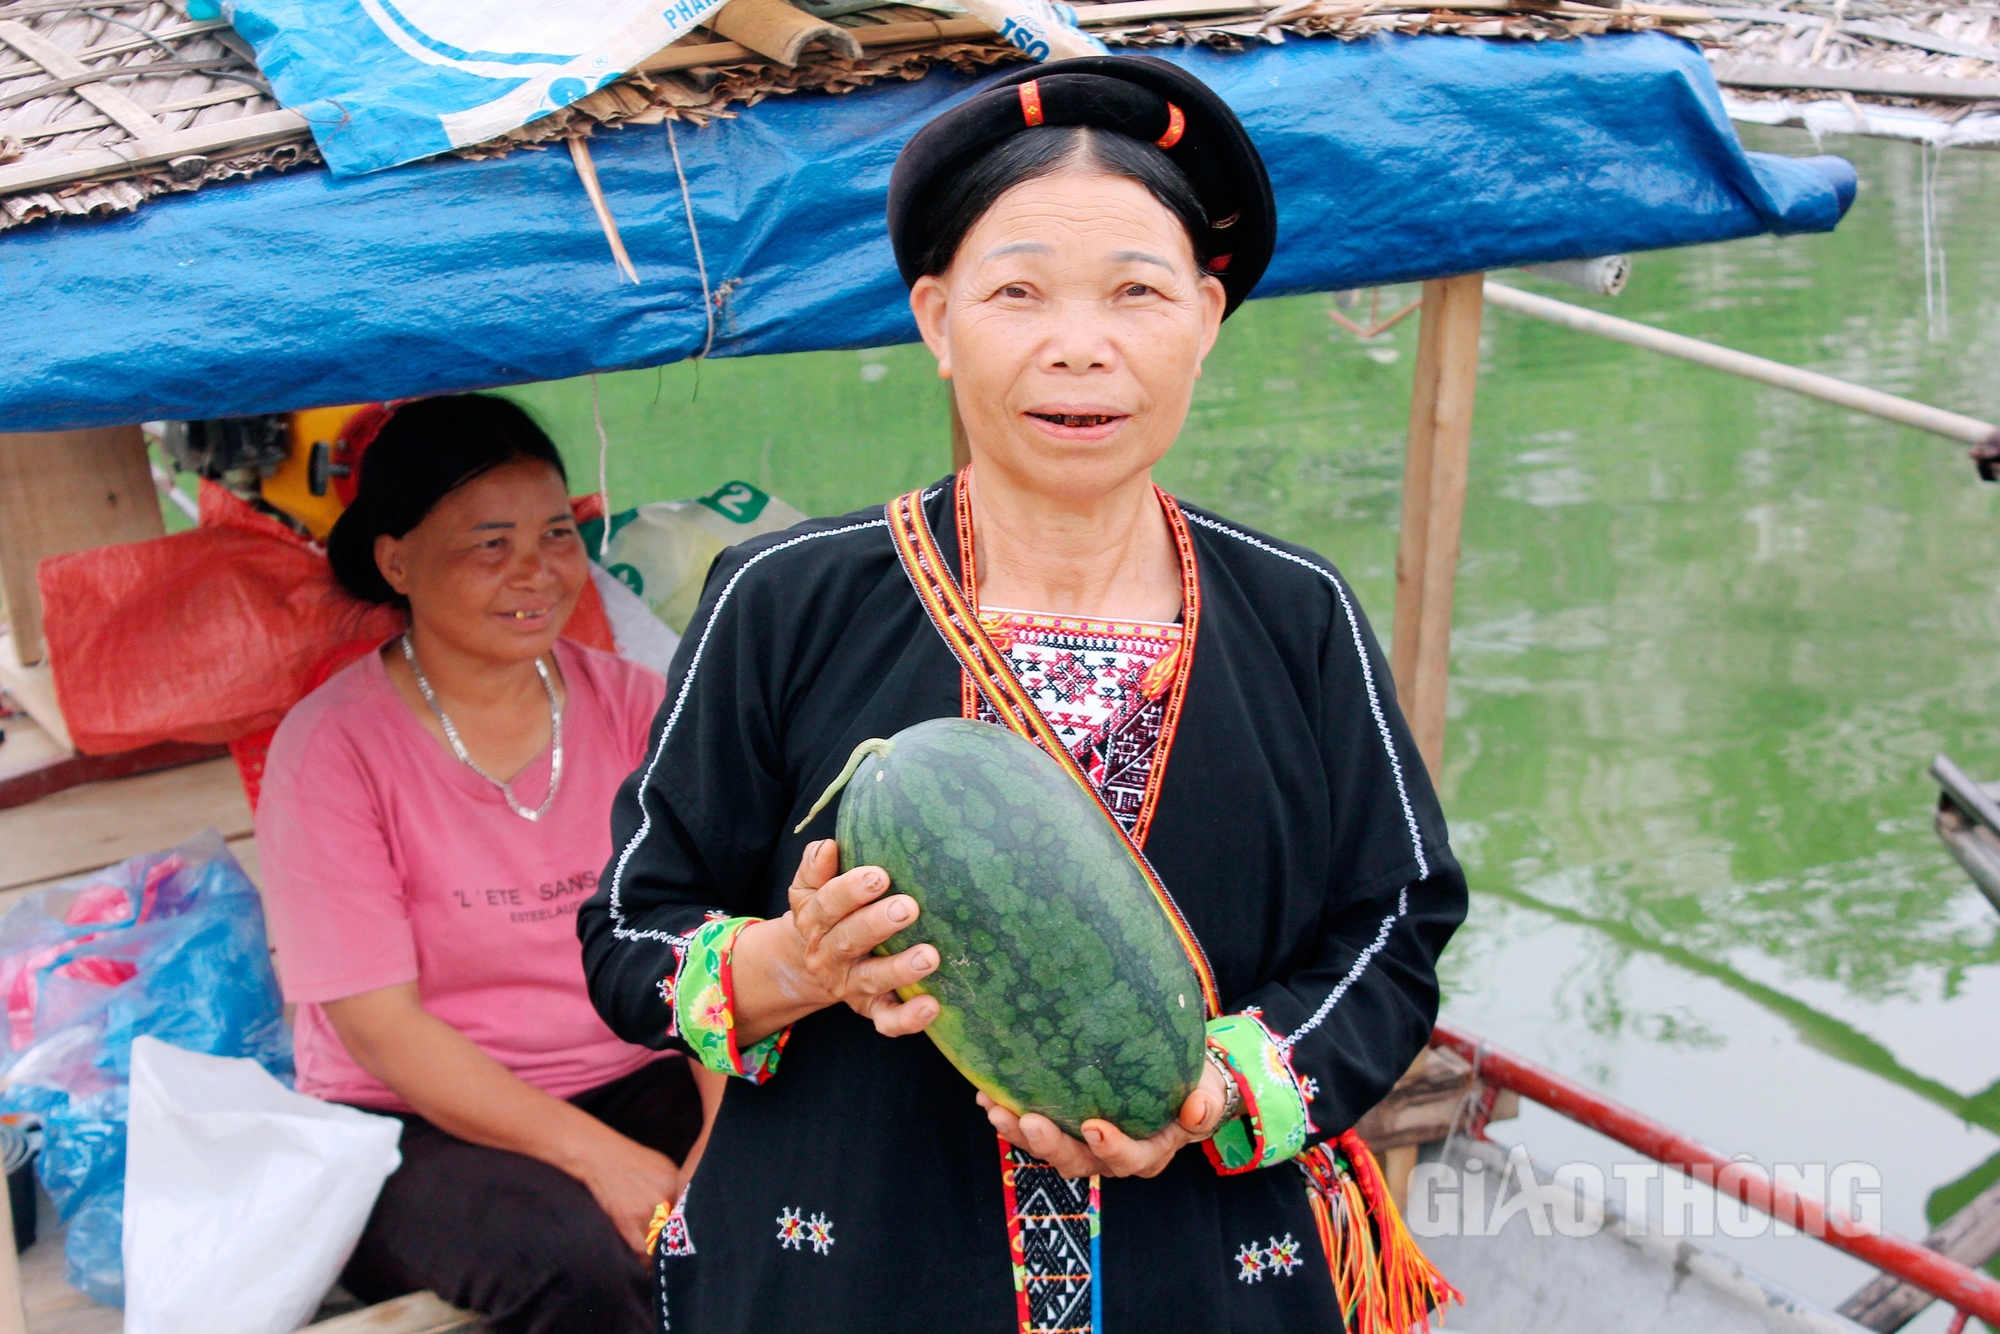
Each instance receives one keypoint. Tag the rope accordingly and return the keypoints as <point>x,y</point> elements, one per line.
<point>701,265</point>
<point>603,471</point>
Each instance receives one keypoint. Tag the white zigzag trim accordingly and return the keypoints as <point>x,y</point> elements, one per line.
<point>619,930</point>
<point>1375,947</point>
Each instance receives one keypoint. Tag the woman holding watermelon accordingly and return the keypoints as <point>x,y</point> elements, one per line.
<point>1073,236</point>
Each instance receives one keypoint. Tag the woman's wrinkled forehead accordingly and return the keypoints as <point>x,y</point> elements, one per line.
<point>1078,215</point>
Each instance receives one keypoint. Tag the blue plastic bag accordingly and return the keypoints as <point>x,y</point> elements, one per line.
<point>170,944</point>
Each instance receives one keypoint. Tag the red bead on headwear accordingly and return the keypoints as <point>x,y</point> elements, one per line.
<point>1031,102</point>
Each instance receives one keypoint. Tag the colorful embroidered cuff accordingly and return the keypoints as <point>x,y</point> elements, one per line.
<point>1274,1123</point>
<point>705,1006</point>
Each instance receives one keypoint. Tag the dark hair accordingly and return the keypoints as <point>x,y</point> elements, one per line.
<point>425,451</point>
<point>960,196</point>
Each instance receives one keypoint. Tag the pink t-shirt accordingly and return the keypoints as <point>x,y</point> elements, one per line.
<point>387,861</point>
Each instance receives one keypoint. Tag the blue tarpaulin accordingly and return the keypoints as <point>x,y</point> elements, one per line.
<point>1392,158</point>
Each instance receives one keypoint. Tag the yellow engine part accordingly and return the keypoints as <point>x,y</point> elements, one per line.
<point>290,487</point>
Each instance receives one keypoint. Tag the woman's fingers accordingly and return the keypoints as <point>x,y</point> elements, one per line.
<point>819,864</point>
<point>820,911</point>
<point>1203,1109</point>
<point>1127,1157</point>
<point>1004,1121</point>
<point>872,976</point>
<point>1104,1149</point>
<point>1045,1139</point>
<point>899,1018</point>
<point>856,935</point>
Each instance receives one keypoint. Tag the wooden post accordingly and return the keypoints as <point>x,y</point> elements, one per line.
<point>1433,504</point>
<point>13,1310</point>
<point>64,491</point>
<point>961,448</point>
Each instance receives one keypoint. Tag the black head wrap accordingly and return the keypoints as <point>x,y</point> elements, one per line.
<point>1143,97</point>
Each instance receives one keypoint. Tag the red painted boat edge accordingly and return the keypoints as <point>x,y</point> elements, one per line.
<point>1945,1279</point>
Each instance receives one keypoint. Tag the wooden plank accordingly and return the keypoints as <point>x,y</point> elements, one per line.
<point>1421,1107</point>
<point>1427,1102</point>
<point>241,135</point>
<point>1141,11</point>
<point>1887,32</point>
<point>1882,83</point>
<point>13,1310</point>
<point>63,491</point>
<point>1433,504</point>
<point>68,771</point>
<point>695,54</point>
<point>418,1313</point>
<point>92,826</point>
<point>34,689</point>
<point>136,120</point>
<point>1971,1236</point>
<point>28,748</point>
<point>53,1306</point>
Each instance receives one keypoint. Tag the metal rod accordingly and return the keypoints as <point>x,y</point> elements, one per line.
<point>1951,425</point>
<point>1945,1279</point>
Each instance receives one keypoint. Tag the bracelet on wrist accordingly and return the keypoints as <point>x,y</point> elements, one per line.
<point>1232,1095</point>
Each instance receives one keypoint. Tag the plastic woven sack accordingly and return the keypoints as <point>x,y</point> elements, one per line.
<point>209,635</point>
<point>662,551</point>
<point>206,635</point>
<point>169,945</point>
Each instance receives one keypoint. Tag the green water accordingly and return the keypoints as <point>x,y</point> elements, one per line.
<point>1707,637</point>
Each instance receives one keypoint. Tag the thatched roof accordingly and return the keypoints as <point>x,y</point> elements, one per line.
<point>103,106</point>
<point>1885,67</point>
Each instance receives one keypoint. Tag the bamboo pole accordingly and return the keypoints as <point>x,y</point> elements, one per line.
<point>1951,425</point>
<point>691,55</point>
<point>1433,504</point>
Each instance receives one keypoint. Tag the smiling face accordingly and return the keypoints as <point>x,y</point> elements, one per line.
<point>495,568</point>
<point>1072,323</point>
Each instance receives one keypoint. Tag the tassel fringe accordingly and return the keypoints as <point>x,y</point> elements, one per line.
<point>1383,1282</point>
<point>661,1213</point>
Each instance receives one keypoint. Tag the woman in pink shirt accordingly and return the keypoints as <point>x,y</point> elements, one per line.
<point>431,819</point>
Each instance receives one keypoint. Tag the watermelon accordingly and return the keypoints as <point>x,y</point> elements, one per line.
<point>1061,985</point>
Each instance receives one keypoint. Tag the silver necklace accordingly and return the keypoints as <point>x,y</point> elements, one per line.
<point>458,747</point>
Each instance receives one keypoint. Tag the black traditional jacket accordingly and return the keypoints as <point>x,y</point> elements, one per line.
<point>859,1187</point>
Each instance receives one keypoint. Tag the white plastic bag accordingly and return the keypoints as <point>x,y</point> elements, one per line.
<point>243,1199</point>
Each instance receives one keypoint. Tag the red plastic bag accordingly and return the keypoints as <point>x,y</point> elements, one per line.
<point>209,635</point>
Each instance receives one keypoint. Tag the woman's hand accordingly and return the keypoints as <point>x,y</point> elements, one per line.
<point>628,1181</point>
<point>1105,1150</point>
<point>452,1083</point>
<point>821,953</point>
